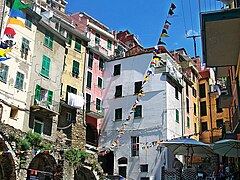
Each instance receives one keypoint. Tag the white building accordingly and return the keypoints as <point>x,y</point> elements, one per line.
<point>156,117</point>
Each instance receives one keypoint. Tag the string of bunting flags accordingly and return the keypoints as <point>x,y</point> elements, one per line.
<point>146,146</point>
<point>164,33</point>
<point>157,143</point>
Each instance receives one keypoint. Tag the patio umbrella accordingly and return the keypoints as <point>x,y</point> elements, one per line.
<point>227,147</point>
<point>188,147</point>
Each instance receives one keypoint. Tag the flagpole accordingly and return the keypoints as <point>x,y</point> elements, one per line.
<point>3,12</point>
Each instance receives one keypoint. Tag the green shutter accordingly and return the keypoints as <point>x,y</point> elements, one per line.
<point>78,43</point>
<point>89,80</point>
<point>101,63</point>
<point>37,127</point>
<point>45,66</point>
<point>3,72</point>
<point>69,37</point>
<point>90,60</point>
<point>50,96</point>
<point>99,82</point>
<point>75,68</point>
<point>37,93</point>
<point>19,80</point>
<point>98,104</point>
<point>48,40</point>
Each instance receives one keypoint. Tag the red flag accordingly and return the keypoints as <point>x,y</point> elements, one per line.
<point>166,26</point>
<point>173,6</point>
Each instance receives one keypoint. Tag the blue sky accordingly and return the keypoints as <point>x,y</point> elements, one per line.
<point>145,19</point>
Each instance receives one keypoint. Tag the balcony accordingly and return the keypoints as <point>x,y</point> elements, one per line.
<point>51,108</point>
<point>221,37</point>
<point>94,110</point>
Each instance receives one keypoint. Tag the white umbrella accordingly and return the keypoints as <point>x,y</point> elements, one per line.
<point>188,146</point>
<point>227,147</point>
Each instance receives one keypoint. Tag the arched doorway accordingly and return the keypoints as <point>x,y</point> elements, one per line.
<point>7,165</point>
<point>92,135</point>
<point>43,166</point>
<point>83,173</point>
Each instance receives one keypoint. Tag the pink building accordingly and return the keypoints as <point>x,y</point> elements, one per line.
<point>100,49</point>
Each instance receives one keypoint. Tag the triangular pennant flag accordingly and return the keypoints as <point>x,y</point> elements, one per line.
<point>173,6</point>
<point>164,31</point>
<point>164,35</point>
<point>166,26</point>
<point>170,12</point>
<point>160,42</point>
<point>167,22</point>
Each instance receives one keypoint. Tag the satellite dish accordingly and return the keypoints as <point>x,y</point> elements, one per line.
<point>228,2</point>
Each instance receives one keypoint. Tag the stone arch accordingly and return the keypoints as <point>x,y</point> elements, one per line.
<point>92,135</point>
<point>42,166</point>
<point>7,163</point>
<point>83,173</point>
<point>122,160</point>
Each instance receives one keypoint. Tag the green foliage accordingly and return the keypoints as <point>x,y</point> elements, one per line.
<point>75,156</point>
<point>23,144</point>
<point>34,139</point>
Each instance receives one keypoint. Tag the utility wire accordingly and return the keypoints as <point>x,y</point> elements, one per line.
<point>184,21</point>
<point>190,8</point>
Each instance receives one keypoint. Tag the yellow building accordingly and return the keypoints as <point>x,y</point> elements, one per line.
<point>213,117</point>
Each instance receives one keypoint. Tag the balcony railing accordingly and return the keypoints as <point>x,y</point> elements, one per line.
<point>44,105</point>
<point>94,110</point>
<point>235,119</point>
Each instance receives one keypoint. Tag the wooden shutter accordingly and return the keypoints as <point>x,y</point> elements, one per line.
<point>50,96</point>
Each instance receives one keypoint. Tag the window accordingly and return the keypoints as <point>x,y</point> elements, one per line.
<point>117,69</point>
<point>28,21</point>
<point>202,91</point>
<point>69,117</point>
<point>188,122</point>
<point>118,92</point>
<point>144,178</point>
<point>69,39</point>
<point>177,116</point>
<point>71,89</point>
<point>109,45</point>
<point>219,123</point>
<point>89,80</point>
<point>78,43</point>
<point>194,109</point>
<point>75,69</point>
<point>219,109</point>
<point>38,127</point>
<point>45,66</point>
<point>187,90</point>
<point>118,114</point>
<point>100,82</point>
<point>88,102</point>
<point>193,77</point>
<point>194,92</point>
<point>101,63</point>
<point>204,126</point>
<point>122,160</point>
<point>19,81</point>
<point>48,40</point>
<point>138,111</point>
<point>43,95</point>
<point>144,167</point>
<point>176,92</point>
<point>14,113</point>
<point>24,49</point>
<point>203,109</point>
<point>98,104</point>
<point>195,128</point>
<point>137,87</point>
<point>90,60</point>
<point>187,104</point>
<point>97,38</point>
<point>135,145</point>
<point>3,72</point>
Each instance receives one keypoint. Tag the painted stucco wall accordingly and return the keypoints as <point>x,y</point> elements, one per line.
<point>156,116</point>
<point>13,96</point>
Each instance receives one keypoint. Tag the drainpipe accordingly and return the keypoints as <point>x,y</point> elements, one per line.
<point>210,108</point>
<point>83,86</point>
<point>183,113</point>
